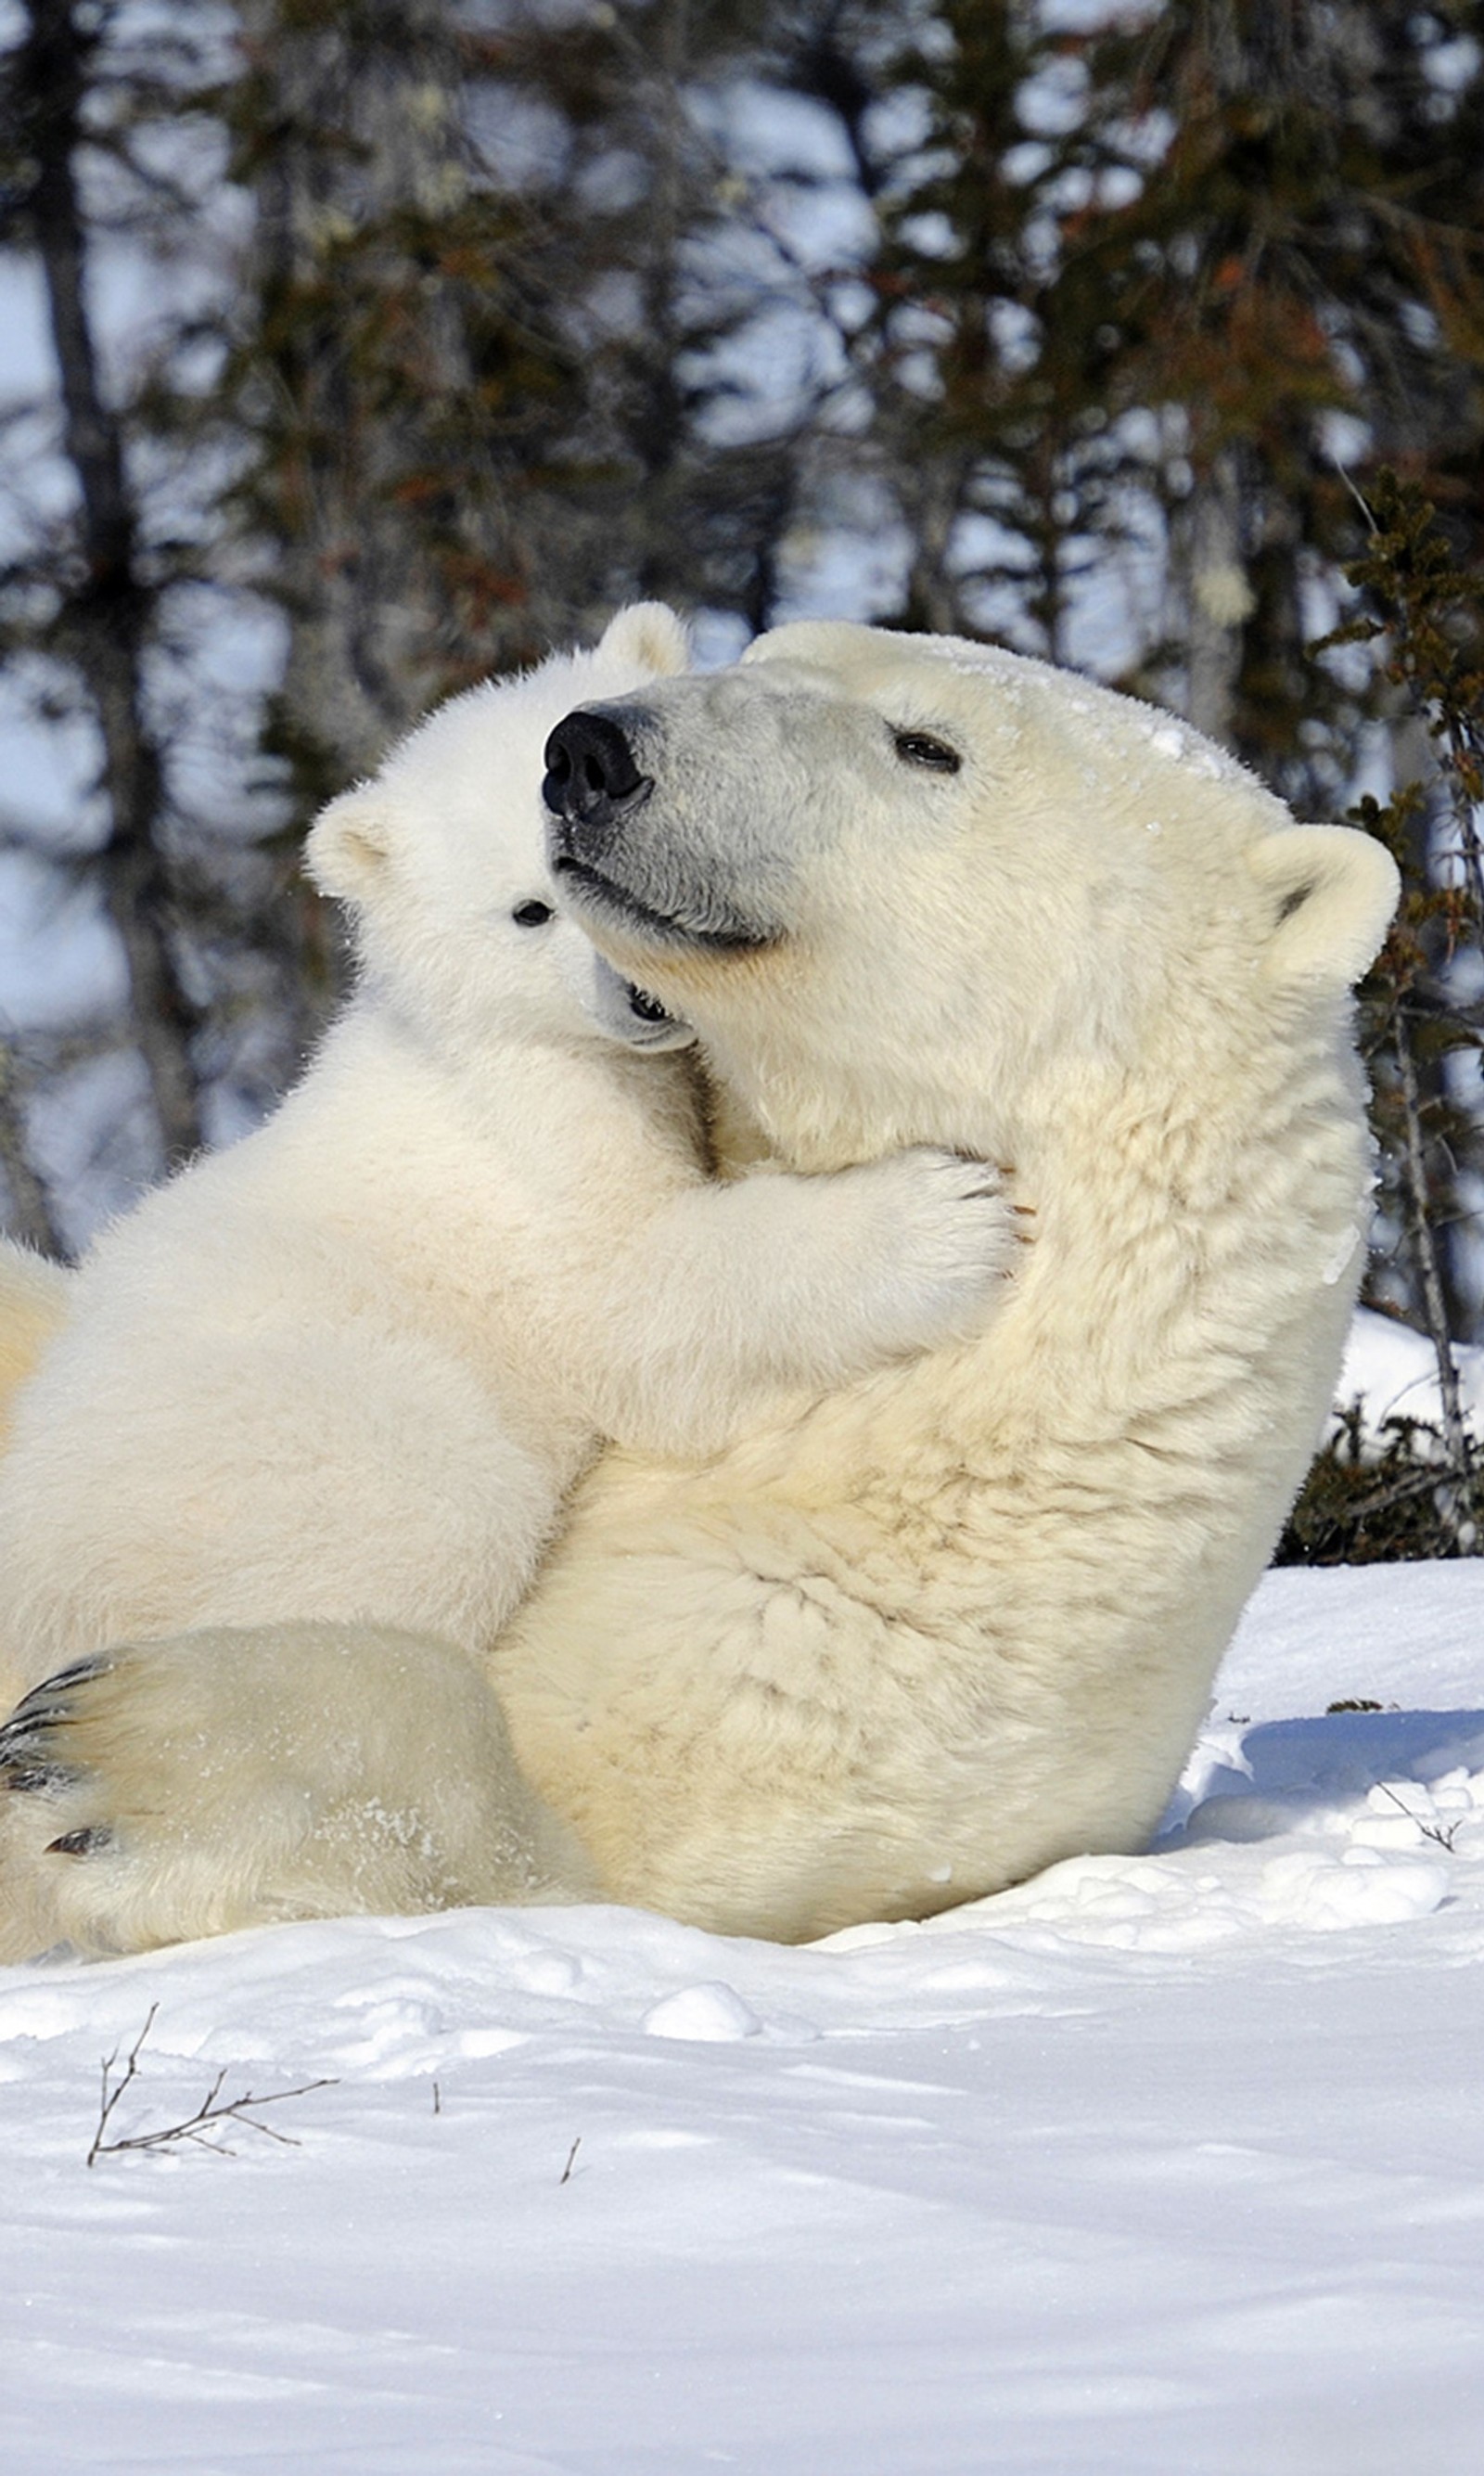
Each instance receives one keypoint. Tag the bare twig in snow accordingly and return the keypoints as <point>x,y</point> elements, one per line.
<point>196,2129</point>
<point>1444,1834</point>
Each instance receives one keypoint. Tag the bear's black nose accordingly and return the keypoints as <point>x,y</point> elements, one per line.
<point>591,777</point>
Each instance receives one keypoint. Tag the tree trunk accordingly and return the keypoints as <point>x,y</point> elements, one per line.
<point>1422,1243</point>
<point>1210,576</point>
<point>29,1213</point>
<point>105,624</point>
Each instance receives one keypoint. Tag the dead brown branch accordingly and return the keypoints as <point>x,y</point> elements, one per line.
<point>193,2130</point>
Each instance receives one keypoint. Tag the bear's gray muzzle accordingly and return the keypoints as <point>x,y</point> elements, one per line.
<point>638,879</point>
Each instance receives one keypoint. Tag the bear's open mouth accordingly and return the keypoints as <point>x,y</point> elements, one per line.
<point>590,890</point>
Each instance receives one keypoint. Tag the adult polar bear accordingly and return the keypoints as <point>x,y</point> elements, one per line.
<point>910,1642</point>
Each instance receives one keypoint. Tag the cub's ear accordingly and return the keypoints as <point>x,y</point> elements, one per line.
<point>1332,892</point>
<point>350,843</point>
<point>650,635</point>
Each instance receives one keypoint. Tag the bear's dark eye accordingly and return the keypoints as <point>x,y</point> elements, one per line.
<point>920,748</point>
<point>532,915</point>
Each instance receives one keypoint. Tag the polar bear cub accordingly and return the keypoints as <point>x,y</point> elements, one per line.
<point>350,1367</point>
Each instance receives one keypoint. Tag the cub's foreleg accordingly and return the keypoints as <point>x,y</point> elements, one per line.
<point>738,1293</point>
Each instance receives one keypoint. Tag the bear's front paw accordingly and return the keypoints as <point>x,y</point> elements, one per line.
<point>185,1787</point>
<point>949,1237</point>
<point>129,1816</point>
<point>52,1819</point>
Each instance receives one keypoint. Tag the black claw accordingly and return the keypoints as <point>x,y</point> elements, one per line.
<point>97,1664</point>
<point>85,1842</point>
<point>44,1708</point>
<point>42,1697</point>
<point>35,1777</point>
<point>21,1736</point>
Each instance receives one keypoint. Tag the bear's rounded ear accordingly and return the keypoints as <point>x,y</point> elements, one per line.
<point>350,843</point>
<point>650,635</point>
<point>1332,892</point>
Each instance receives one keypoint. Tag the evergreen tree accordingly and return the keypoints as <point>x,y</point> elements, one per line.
<point>1307,243</point>
<point>1422,1017</point>
<point>395,372</point>
<point>1144,288</point>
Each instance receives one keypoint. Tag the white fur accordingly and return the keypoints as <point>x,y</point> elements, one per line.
<point>34,1297</point>
<point>900,1647</point>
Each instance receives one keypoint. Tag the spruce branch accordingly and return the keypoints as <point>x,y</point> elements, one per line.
<point>1424,612</point>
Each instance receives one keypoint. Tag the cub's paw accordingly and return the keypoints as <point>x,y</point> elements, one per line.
<point>949,1237</point>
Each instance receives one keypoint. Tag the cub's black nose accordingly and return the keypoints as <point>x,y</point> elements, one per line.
<point>591,777</point>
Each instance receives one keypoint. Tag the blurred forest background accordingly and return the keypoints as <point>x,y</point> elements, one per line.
<point>352,349</point>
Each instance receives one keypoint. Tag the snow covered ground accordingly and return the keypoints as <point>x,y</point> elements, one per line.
<point>1168,2163</point>
<point>1392,1373</point>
